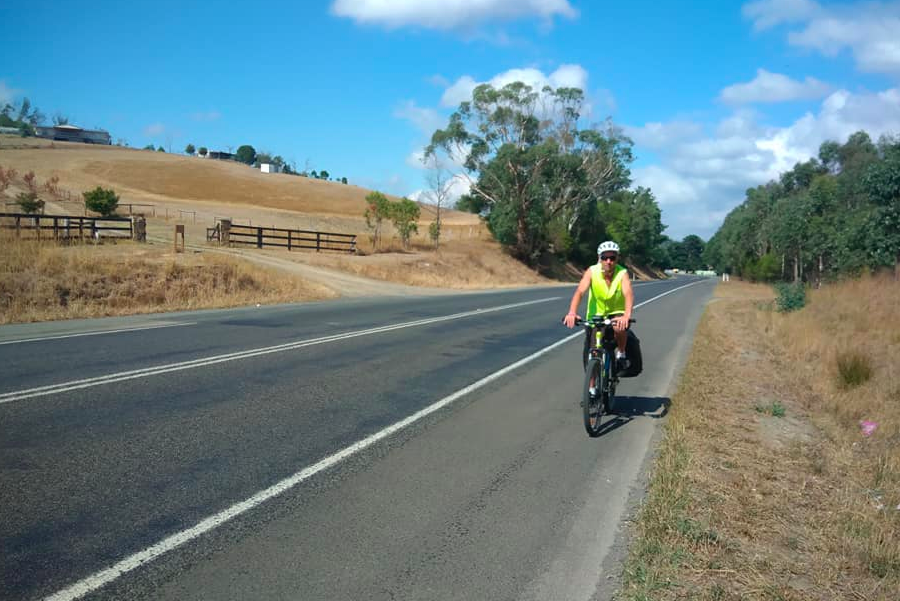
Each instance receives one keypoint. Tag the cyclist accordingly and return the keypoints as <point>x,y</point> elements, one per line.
<point>609,293</point>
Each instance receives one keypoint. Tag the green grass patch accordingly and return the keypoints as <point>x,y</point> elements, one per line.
<point>775,409</point>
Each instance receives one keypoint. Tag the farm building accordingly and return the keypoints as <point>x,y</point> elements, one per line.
<point>72,133</point>
<point>270,168</point>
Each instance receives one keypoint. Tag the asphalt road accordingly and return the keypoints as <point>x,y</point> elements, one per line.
<point>242,454</point>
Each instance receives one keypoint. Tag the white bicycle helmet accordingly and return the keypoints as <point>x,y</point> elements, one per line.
<point>608,246</point>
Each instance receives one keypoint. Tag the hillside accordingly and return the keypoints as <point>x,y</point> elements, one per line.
<point>170,180</point>
<point>173,189</point>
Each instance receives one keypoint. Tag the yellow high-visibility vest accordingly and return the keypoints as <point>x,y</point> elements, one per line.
<point>603,299</point>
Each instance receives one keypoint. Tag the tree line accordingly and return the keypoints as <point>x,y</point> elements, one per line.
<point>248,155</point>
<point>546,187</point>
<point>834,215</point>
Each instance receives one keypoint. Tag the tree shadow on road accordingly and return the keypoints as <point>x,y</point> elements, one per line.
<point>626,408</point>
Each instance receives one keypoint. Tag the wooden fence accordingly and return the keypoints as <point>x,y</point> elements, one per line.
<point>62,227</point>
<point>229,234</point>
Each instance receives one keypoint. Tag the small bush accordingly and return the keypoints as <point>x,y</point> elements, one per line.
<point>30,181</point>
<point>791,297</point>
<point>854,368</point>
<point>29,203</point>
<point>775,409</point>
<point>101,200</point>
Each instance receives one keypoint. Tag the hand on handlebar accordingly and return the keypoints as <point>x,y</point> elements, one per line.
<point>571,319</point>
<point>620,323</point>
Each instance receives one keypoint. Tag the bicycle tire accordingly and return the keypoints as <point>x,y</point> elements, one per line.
<point>592,404</point>
<point>608,383</point>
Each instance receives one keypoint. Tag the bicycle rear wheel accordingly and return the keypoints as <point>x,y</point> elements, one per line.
<point>592,399</point>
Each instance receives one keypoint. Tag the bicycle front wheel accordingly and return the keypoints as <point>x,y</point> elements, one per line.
<point>592,400</point>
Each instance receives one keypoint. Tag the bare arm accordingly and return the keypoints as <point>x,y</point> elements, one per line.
<point>583,286</point>
<point>628,292</point>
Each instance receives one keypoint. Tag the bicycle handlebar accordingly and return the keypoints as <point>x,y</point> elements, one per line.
<point>597,320</point>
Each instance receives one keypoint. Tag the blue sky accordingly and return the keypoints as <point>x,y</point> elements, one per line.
<point>717,96</point>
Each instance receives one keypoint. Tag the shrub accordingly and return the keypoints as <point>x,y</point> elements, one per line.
<point>377,208</point>
<point>6,177</point>
<point>404,215</point>
<point>791,297</point>
<point>854,368</point>
<point>101,200</point>
<point>52,185</point>
<point>29,202</point>
<point>30,181</point>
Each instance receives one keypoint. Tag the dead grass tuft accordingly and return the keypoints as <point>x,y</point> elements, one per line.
<point>756,506</point>
<point>854,368</point>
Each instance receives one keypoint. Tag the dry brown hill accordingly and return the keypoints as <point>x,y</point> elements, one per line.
<point>163,179</point>
<point>195,192</point>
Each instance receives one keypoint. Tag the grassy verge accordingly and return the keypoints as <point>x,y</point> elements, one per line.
<point>43,281</point>
<point>771,481</point>
<point>457,265</point>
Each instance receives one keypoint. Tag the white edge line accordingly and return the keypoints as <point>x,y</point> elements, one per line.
<point>103,577</point>
<point>98,332</point>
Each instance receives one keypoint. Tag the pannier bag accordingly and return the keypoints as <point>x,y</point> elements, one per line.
<point>633,353</point>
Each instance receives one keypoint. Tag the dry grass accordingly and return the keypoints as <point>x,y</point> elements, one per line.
<point>43,281</point>
<point>470,265</point>
<point>745,504</point>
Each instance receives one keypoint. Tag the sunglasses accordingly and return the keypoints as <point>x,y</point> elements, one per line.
<point>608,257</point>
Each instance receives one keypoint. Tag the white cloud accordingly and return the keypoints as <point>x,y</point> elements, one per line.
<point>206,116</point>
<point>658,136</point>
<point>774,87</point>
<point>769,13</point>
<point>444,15</point>
<point>701,177</point>
<point>154,129</point>
<point>426,120</point>
<point>569,76</point>
<point>869,30</point>
<point>416,159</point>
<point>458,186</point>
<point>7,93</point>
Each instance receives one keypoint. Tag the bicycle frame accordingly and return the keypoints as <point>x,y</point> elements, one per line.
<point>601,372</point>
<point>603,346</point>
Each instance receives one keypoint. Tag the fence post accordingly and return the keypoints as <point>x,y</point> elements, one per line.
<point>318,240</point>
<point>225,232</point>
<point>139,228</point>
<point>289,239</point>
<point>259,237</point>
<point>179,229</point>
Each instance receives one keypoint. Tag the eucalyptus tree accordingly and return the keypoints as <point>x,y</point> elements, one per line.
<point>528,163</point>
<point>882,182</point>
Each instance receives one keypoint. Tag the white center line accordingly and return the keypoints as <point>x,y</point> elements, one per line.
<point>95,581</point>
<point>18,395</point>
